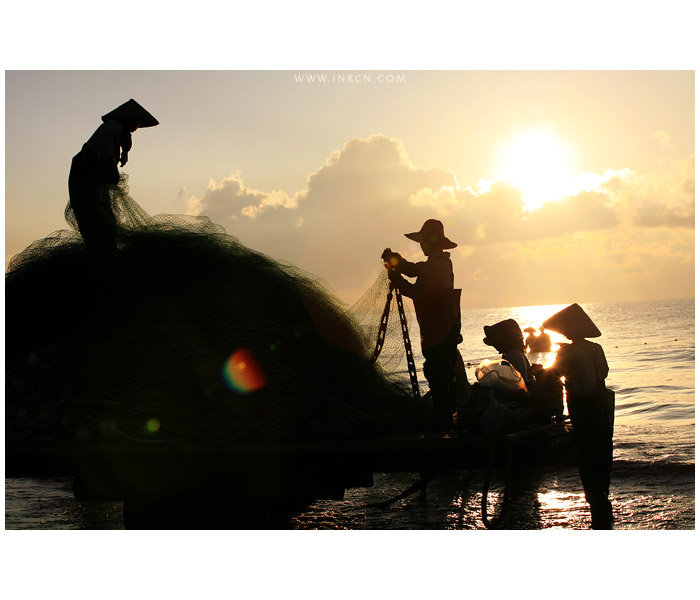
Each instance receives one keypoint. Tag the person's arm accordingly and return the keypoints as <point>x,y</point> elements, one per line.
<point>601,362</point>
<point>408,289</point>
<point>125,143</point>
<point>434,275</point>
<point>559,366</point>
<point>408,268</point>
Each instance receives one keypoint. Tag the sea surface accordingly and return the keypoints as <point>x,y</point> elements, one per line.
<point>650,348</point>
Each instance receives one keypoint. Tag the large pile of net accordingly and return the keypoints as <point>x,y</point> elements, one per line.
<point>191,336</point>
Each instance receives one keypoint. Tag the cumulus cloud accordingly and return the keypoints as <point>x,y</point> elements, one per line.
<point>369,193</point>
<point>230,199</point>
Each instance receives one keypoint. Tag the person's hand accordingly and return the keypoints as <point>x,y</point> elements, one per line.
<point>391,258</point>
<point>394,275</point>
<point>123,160</point>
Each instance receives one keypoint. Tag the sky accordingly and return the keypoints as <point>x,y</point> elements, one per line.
<point>557,186</point>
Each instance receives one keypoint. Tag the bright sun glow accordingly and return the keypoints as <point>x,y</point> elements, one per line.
<point>539,164</point>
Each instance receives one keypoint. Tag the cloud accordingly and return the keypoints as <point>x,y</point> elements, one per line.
<point>665,199</point>
<point>230,199</point>
<point>663,138</point>
<point>367,194</point>
<point>498,214</point>
<point>356,200</point>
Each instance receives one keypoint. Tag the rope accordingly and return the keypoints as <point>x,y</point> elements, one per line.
<point>407,345</point>
<point>381,336</point>
<point>491,522</point>
<point>382,328</point>
<point>422,483</point>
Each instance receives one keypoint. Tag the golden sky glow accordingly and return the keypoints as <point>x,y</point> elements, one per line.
<point>557,186</point>
<point>539,164</point>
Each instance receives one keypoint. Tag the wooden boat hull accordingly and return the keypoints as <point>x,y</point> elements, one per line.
<point>268,477</point>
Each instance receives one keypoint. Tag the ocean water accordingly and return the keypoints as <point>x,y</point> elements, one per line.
<point>650,348</point>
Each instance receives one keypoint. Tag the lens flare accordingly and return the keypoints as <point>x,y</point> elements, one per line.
<point>242,374</point>
<point>153,425</point>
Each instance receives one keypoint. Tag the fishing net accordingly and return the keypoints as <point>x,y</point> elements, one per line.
<point>189,337</point>
<point>368,313</point>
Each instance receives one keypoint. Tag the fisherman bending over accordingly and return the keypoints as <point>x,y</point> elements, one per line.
<point>437,310</point>
<point>94,174</point>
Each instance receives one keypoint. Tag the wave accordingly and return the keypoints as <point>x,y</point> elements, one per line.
<point>659,469</point>
<point>649,388</point>
<point>665,411</point>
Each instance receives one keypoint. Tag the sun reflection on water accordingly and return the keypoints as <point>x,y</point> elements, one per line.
<point>533,316</point>
<point>563,510</point>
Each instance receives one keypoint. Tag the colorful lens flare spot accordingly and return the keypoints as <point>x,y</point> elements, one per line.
<point>153,425</point>
<point>242,374</point>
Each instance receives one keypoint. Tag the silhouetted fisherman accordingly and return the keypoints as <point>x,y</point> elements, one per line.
<point>538,343</point>
<point>531,339</point>
<point>94,174</point>
<point>584,368</point>
<point>544,341</point>
<point>437,310</point>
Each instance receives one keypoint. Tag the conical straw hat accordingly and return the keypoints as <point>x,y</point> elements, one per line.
<point>131,110</point>
<point>572,322</point>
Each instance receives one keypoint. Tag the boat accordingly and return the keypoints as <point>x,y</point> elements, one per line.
<point>212,486</point>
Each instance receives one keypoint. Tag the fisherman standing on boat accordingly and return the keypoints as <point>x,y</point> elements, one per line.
<point>438,313</point>
<point>94,175</point>
<point>584,368</point>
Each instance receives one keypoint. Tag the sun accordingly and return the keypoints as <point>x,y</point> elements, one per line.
<point>537,163</point>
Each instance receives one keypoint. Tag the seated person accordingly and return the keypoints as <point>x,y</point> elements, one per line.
<point>507,338</point>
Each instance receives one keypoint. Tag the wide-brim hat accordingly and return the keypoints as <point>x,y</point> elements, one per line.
<point>131,111</point>
<point>432,233</point>
<point>573,322</point>
<point>503,335</point>
<point>529,330</point>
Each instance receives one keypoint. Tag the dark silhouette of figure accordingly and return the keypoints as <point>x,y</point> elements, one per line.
<point>537,343</point>
<point>531,339</point>
<point>544,341</point>
<point>94,175</point>
<point>507,338</point>
<point>547,394</point>
<point>584,368</point>
<point>438,313</point>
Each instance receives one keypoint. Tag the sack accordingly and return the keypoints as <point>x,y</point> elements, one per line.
<point>501,375</point>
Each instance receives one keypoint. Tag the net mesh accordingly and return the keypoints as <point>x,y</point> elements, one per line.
<point>145,353</point>
<point>367,312</point>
